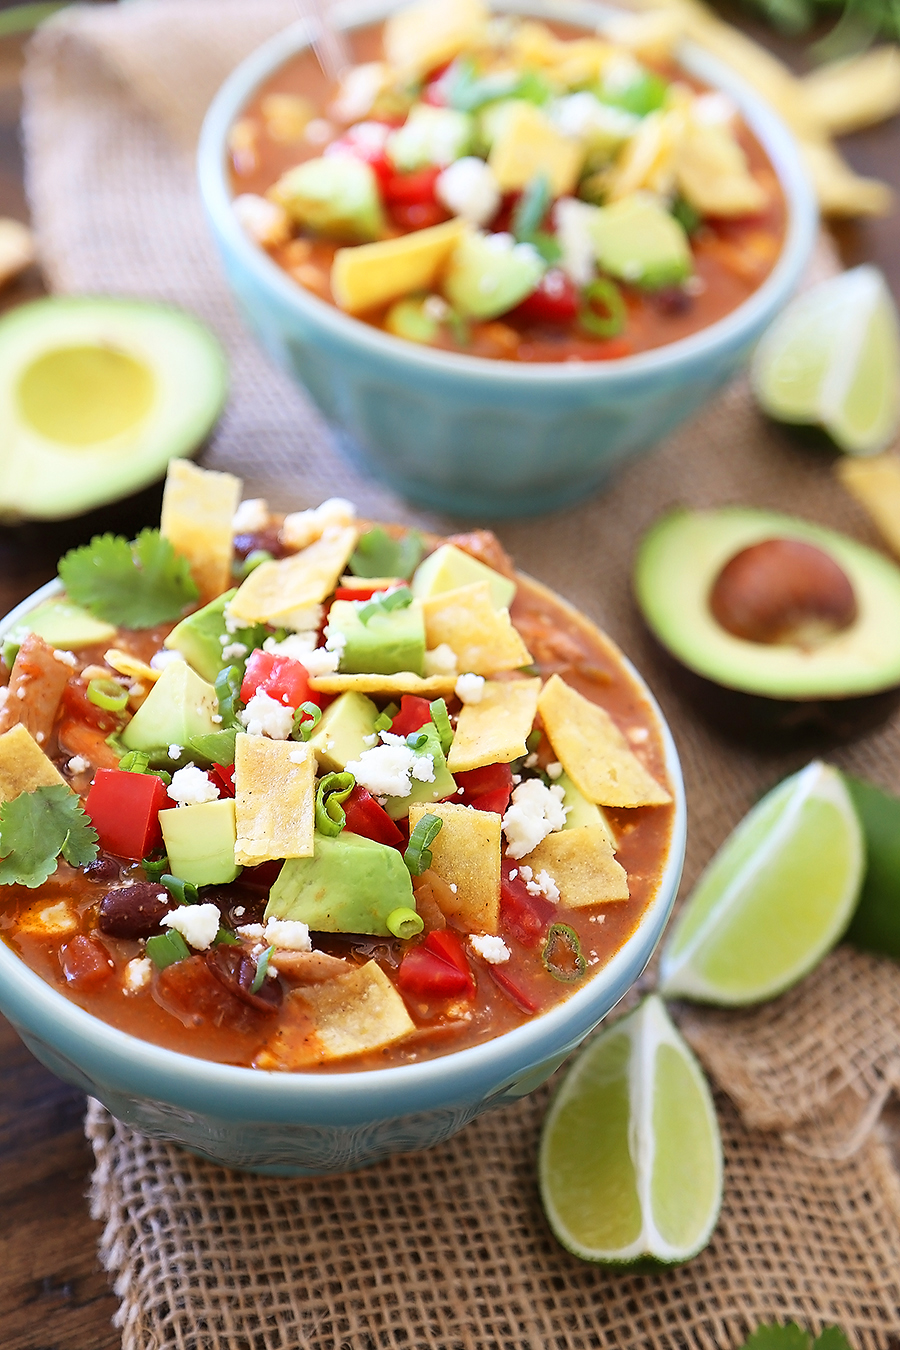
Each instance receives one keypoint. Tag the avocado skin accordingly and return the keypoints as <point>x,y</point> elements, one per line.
<point>875,926</point>
<point>350,885</point>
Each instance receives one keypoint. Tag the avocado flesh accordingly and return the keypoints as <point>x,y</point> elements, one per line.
<point>200,842</point>
<point>449,567</point>
<point>343,730</point>
<point>202,637</point>
<point>678,562</point>
<point>350,885</point>
<point>179,706</point>
<point>385,644</point>
<point>62,624</point>
<point>444,784</point>
<point>98,396</point>
<point>637,240</point>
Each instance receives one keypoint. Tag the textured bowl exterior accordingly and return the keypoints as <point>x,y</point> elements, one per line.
<point>296,1124</point>
<point>467,434</point>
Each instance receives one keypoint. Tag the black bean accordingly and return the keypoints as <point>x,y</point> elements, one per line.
<point>134,911</point>
<point>102,871</point>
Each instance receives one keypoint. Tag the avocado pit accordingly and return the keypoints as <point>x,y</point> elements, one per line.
<point>783,592</point>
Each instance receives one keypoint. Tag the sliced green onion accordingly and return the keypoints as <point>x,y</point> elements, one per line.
<point>224,938</point>
<point>107,694</point>
<point>167,948</point>
<point>531,209</point>
<point>252,561</point>
<point>441,719</point>
<point>136,761</point>
<point>306,718</point>
<point>385,604</point>
<point>418,852</point>
<point>404,922</point>
<point>262,966</point>
<point>228,692</point>
<point>533,740</point>
<point>332,792</point>
<point>417,740</point>
<point>562,954</point>
<point>384,721</point>
<point>459,327</point>
<point>155,868</point>
<point>216,746</point>
<point>185,892</point>
<point>605,294</point>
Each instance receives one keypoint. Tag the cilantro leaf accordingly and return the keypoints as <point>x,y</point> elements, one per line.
<point>134,585</point>
<point>36,827</point>
<point>378,555</point>
<point>831,1338</point>
<point>773,1337</point>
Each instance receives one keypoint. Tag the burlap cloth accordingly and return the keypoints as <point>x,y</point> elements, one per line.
<point>449,1248</point>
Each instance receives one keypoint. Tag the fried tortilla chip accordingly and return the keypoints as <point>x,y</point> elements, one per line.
<point>593,751</point>
<point>466,854</point>
<point>420,37</point>
<point>848,95</point>
<point>875,483</point>
<point>197,513</point>
<point>356,1012</point>
<point>23,765</point>
<point>133,666</point>
<point>401,682</point>
<point>282,593</point>
<point>582,864</point>
<point>482,637</point>
<point>275,792</point>
<point>494,730</point>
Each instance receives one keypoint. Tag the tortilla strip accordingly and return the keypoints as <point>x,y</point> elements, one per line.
<point>582,864</point>
<point>274,592</point>
<point>482,637</point>
<point>593,751</point>
<point>845,96</point>
<point>403,682</point>
<point>198,509</point>
<point>875,483</point>
<point>23,765</point>
<point>494,730</point>
<point>466,854</point>
<point>356,1012</point>
<point>275,791</point>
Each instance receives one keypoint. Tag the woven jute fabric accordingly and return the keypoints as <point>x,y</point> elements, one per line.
<point>449,1248</point>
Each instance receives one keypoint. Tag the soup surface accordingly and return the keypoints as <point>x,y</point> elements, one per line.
<point>561,197</point>
<point>445,878</point>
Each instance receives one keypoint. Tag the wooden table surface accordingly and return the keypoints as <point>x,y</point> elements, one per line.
<point>53,1294</point>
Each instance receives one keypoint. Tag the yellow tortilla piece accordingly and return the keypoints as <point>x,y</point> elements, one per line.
<point>197,512</point>
<point>402,682</point>
<point>275,792</point>
<point>276,592</point>
<point>482,637</point>
<point>494,730</point>
<point>842,192</point>
<point>356,1012</point>
<point>420,37</point>
<point>713,175</point>
<point>133,666</point>
<point>847,95</point>
<point>373,274</point>
<point>466,854</point>
<point>875,483</point>
<point>582,864</point>
<point>528,144</point>
<point>593,751</point>
<point>23,765</point>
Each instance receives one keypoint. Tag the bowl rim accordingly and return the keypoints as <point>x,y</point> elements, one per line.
<point>178,1074</point>
<point>733,328</point>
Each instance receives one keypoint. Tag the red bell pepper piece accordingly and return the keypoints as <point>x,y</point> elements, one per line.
<point>493,778</point>
<point>554,300</point>
<point>223,777</point>
<point>416,188</point>
<point>281,677</point>
<point>366,817</point>
<point>526,917</point>
<point>445,944</point>
<point>423,973</point>
<point>366,141</point>
<point>414,713</point>
<point>124,810</point>
<point>80,708</point>
<point>363,592</point>
<point>496,801</point>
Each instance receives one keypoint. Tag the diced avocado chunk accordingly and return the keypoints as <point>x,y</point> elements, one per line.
<point>350,885</point>
<point>387,642</point>
<point>410,319</point>
<point>449,567</point>
<point>430,136</point>
<point>443,785</point>
<point>489,274</point>
<point>63,625</point>
<point>336,195</point>
<point>200,842</point>
<point>581,811</point>
<point>637,240</point>
<point>199,637</point>
<point>180,705</point>
<point>341,734</point>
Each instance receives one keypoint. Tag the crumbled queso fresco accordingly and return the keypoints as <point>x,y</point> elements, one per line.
<point>535,812</point>
<point>386,770</point>
<point>491,949</point>
<point>191,787</point>
<point>470,688</point>
<point>264,716</point>
<point>288,935</point>
<point>197,924</point>
<point>542,884</point>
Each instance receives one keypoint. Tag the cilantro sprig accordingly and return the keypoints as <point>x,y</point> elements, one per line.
<point>36,827</point>
<point>378,555</point>
<point>132,584</point>
<point>792,1337</point>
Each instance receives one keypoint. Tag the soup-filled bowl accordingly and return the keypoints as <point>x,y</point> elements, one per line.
<point>223,1079</point>
<point>463,432</point>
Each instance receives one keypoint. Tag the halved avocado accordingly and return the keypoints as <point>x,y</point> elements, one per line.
<point>779,628</point>
<point>96,396</point>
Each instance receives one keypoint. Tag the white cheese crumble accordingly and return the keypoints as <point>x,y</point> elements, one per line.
<point>78,764</point>
<point>289,935</point>
<point>191,787</point>
<point>387,770</point>
<point>542,884</point>
<point>137,974</point>
<point>159,660</point>
<point>335,640</point>
<point>468,188</point>
<point>359,87</point>
<point>573,221</point>
<point>469,688</point>
<point>175,751</point>
<point>297,756</point>
<point>251,516</point>
<point>535,812</point>
<point>264,716</point>
<point>233,649</point>
<point>302,647</point>
<point>554,770</point>
<point>302,528</point>
<point>197,924</point>
<point>441,661</point>
<point>266,222</point>
<point>65,658</point>
<point>491,949</point>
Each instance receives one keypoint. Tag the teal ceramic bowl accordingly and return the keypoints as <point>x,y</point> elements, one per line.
<point>466,434</point>
<point>297,1124</point>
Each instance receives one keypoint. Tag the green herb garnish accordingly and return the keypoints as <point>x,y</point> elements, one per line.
<point>135,585</point>
<point>224,938</point>
<point>385,720</point>
<point>379,555</point>
<point>418,852</point>
<point>215,746</point>
<point>306,718</point>
<point>385,603</point>
<point>792,1337</point>
<point>185,892</point>
<point>135,761</point>
<point>155,868</point>
<point>107,694</point>
<point>166,948</point>
<point>531,208</point>
<point>36,827</point>
<point>228,692</point>
<point>332,791</point>
<point>252,561</point>
<point>404,922</point>
<point>603,311</point>
<point>441,719</point>
<point>562,954</point>
<point>262,966</point>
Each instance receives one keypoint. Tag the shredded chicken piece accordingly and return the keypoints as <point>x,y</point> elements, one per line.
<point>309,967</point>
<point>35,688</point>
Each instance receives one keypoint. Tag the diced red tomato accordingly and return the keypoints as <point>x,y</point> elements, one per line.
<point>365,141</point>
<point>124,810</point>
<point>366,817</point>
<point>445,944</point>
<point>363,592</point>
<point>427,975</point>
<point>86,963</point>
<point>76,702</point>
<point>223,777</point>
<point>411,199</point>
<point>525,917</point>
<point>555,299</point>
<point>490,780</point>
<point>414,713</point>
<point>496,801</point>
<point>281,677</point>
<point>513,989</point>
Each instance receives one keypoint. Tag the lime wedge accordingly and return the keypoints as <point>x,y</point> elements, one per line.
<point>775,898</point>
<point>631,1161</point>
<point>832,358</point>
